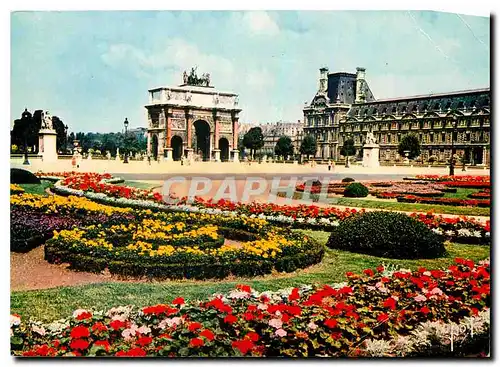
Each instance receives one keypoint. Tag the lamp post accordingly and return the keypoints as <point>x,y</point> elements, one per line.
<point>452,158</point>
<point>125,159</point>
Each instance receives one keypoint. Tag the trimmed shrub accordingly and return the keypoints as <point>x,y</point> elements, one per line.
<point>22,176</point>
<point>356,190</point>
<point>387,234</point>
<point>348,179</point>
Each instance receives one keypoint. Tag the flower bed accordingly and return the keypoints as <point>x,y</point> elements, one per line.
<point>467,184</point>
<point>483,194</point>
<point>34,218</point>
<point>16,189</point>
<point>380,312</point>
<point>181,245</point>
<point>453,178</point>
<point>83,183</point>
<point>444,201</point>
<point>314,217</point>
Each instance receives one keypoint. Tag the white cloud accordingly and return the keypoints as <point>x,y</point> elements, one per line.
<point>259,79</point>
<point>258,23</point>
<point>176,53</point>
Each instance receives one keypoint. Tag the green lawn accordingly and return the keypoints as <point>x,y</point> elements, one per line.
<point>139,184</point>
<point>410,207</point>
<point>51,304</point>
<point>462,193</point>
<point>37,188</point>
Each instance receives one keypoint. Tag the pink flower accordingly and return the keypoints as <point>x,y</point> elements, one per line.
<point>280,332</point>
<point>437,291</point>
<point>420,298</point>
<point>312,325</point>
<point>276,323</point>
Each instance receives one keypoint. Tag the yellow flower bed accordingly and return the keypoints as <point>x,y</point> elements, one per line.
<point>16,189</point>
<point>61,204</point>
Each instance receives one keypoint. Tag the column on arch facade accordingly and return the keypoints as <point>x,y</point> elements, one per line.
<point>235,132</point>
<point>168,125</point>
<point>189,128</point>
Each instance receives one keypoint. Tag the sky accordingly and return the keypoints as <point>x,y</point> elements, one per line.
<point>93,69</point>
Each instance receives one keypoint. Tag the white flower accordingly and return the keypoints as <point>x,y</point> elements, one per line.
<point>78,312</point>
<point>463,232</point>
<point>15,320</point>
<point>449,233</point>
<point>38,329</point>
<point>262,306</point>
<point>427,273</point>
<point>238,294</point>
<point>478,234</point>
<point>312,325</point>
<point>437,230</point>
<point>144,330</point>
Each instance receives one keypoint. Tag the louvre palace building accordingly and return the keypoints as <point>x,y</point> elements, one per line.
<point>344,107</point>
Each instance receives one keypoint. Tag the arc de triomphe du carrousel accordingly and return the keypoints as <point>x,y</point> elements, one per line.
<point>193,120</point>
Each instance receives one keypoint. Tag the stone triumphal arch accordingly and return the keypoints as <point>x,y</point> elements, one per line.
<point>193,120</point>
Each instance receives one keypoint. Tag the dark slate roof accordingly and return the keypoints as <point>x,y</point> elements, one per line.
<point>343,87</point>
<point>442,102</point>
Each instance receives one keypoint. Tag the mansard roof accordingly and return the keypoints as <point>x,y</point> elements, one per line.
<point>466,100</point>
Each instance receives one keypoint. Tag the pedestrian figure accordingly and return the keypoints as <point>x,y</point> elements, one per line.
<point>329,165</point>
<point>149,159</point>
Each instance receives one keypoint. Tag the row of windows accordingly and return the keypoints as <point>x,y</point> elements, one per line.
<point>416,125</point>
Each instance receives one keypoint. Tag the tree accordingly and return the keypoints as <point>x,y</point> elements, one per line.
<point>409,144</point>
<point>253,140</point>
<point>348,150</point>
<point>308,146</point>
<point>284,147</point>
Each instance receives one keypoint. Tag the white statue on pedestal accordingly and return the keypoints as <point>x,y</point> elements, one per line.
<point>370,138</point>
<point>47,121</point>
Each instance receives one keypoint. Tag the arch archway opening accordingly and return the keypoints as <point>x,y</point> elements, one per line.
<point>224,149</point>
<point>176,144</point>
<point>202,143</point>
<point>154,146</point>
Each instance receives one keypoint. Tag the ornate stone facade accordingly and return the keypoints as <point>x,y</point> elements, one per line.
<point>347,109</point>
<point>192,121</point>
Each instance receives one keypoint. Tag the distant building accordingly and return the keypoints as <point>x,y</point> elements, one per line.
<point>344,107</point>
<point>272,131</point>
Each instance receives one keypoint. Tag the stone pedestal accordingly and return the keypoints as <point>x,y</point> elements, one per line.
<point>217,155</point>
<point>169,156</point>
<point>371,155</point>
<point>236,155</point>
<point>48,145</point>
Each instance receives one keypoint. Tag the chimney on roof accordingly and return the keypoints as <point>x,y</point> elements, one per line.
<point>360,85</point>
<point>323,76</point>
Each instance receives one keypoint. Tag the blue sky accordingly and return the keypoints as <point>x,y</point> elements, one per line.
<point>93,69</point>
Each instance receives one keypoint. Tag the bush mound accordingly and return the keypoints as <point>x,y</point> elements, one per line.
<point>387,234</point>
<point>356,190</point>
<point>22,176</point>
<point>348,179</point>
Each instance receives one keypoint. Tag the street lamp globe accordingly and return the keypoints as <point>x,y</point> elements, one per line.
<point>125,160</point>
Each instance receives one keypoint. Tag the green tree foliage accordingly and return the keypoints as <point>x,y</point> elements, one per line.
<point>409,143</point>
<point>348,150</point>
<point>308,146</point>
<point>253,140</point>
<point>25,131</point>
<point>284,147</point>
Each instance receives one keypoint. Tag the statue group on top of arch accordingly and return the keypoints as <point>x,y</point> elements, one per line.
<point>192,79</point>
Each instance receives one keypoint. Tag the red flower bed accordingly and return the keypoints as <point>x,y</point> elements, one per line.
<point>454,178</point>
<point>483,194</point>
<point>322,321</point>
<point>468,184</point>
<point>444,201</point>
<point>93,182</point>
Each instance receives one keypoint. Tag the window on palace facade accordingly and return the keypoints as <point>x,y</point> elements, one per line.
<point>460,105</point>
<point>403,110</point>
<point>436,106</point>
<point>448,105</point>
<point>384,111</point>
<point>394,110</point>
<point>431,138</point>
<point>424,107</point>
